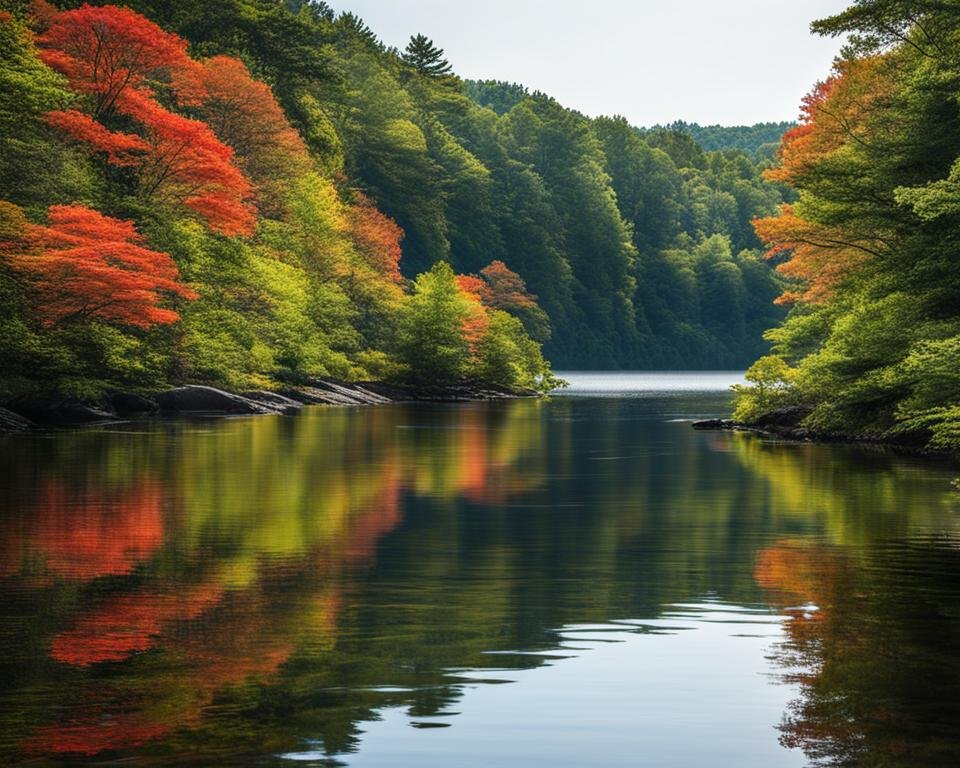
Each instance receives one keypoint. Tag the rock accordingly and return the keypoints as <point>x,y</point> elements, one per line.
<point>715,424</point>
<point>12,422</point>
<point>132,404</point>
<point>330,392</point>
<point>59,411</point>
<point>787,417</point>
<point>198,399</point>
<point>355,392</point>
<point>273,400</point>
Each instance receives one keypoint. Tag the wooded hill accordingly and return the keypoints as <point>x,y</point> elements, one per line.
<point>254,184</point>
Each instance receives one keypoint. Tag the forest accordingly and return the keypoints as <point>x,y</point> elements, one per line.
<point>241,192</point>
<point>871,344</point>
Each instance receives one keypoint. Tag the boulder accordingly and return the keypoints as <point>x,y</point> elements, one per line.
<point>59,411</point>
<point>12,422</point>
<point>132,404</point>
<point>199,399</point>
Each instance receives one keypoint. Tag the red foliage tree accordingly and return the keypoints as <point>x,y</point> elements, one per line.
<point>188,164</point>
<point>107,52</point>
<point>819,257</point>
<point>116,58</point>
<point>499,287</point>
<point>121,149</point>
<point>87,266</point>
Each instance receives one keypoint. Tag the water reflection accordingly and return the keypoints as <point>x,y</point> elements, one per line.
<point>262,590</point>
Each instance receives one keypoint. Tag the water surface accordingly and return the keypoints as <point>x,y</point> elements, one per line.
<point>582,580</point>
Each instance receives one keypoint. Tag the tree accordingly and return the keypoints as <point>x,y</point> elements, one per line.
<point>432,339</point>
<point>107,52</point>
<point>32,162</point>
<point>377,237</point>
<point>245,115</point>
<point>426,58</point>
<point>117,58</point>
<point>85,266</point>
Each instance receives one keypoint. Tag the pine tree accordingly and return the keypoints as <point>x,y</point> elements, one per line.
<point>426,58</point>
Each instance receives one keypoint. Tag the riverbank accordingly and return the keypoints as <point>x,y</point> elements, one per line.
<point>786,424</point>
<point>25,413</point>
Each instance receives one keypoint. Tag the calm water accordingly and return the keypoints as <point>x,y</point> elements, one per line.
<point>580,581</point>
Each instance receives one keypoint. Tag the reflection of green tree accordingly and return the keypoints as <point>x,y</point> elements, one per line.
<point>852,495</point>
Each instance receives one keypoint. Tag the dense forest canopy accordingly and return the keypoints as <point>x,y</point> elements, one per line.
<point>266,180</point>
<point>759,140</point>
<point>870,248</point>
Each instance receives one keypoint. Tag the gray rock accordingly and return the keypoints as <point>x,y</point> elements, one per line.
<point>274,400</point>
<point>199,399</point>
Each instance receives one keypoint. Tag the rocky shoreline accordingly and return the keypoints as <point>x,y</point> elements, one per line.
<point>786,424</point>
<point>22,414</point>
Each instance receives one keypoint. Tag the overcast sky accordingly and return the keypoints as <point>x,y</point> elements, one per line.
<point>731,62</point>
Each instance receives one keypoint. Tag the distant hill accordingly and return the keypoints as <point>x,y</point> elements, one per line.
<point>761,139</point>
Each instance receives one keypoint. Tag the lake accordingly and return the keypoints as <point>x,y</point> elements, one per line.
<point>583,580</point>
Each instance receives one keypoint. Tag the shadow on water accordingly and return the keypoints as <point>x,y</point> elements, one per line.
<point>305,589</point>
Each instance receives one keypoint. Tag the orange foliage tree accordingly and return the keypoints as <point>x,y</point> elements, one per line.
<point>499,287</point>
<point>818,256</point>
<point>86,266</point>
<point>377,237</point>
<point>244,114</point>
<point>839,123</point>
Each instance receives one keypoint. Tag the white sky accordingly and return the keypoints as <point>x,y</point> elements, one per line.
<point>731,62</point>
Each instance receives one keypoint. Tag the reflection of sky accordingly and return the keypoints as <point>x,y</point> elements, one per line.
<point>692,688</point>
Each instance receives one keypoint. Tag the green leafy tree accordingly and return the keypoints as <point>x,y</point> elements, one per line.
<point>431,339</point>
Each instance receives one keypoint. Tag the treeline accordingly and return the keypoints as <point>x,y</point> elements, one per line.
<point>872,246</point>
<point>288,178</point>
<point>167,216</point>
<point>759,140</point>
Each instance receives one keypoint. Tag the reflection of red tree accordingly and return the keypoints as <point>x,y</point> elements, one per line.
<point>245,639</point>
<point>128,624</point>
<point>382,517</point>
<point>87,533</point>
<point>795,571</point>
<point>96,732</point>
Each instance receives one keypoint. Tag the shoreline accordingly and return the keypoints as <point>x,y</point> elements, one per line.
<point>784,424</point>
<point>39,412</point>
